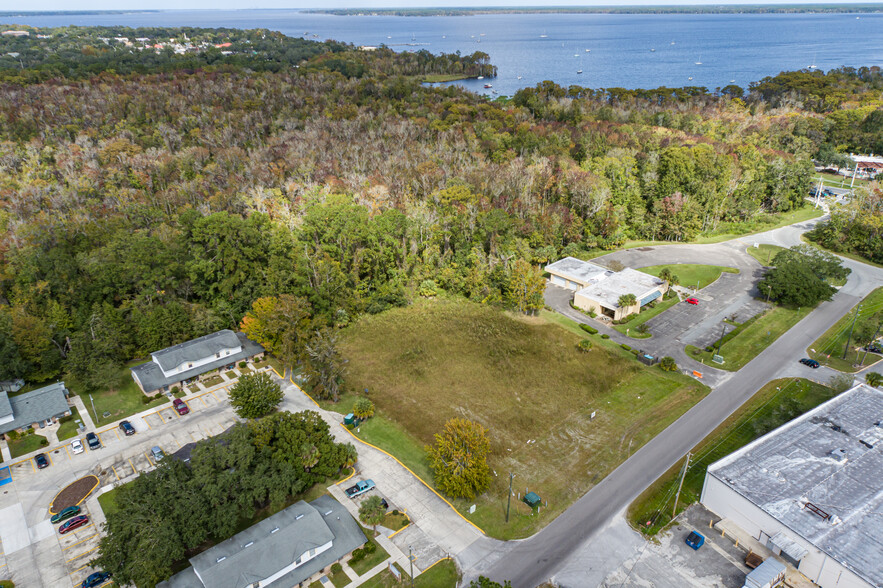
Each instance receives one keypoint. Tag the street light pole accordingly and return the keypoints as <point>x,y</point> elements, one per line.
<point>855,316</point>
<point>92,400</point>
<point>411,560</point>
<point>768,292</point>
<point>509,498</point>
<point>721,340</point>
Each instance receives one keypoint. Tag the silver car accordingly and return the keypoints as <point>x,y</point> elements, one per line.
<point>77,446</point>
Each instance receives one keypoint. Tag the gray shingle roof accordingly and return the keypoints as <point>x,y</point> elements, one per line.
<point>5,407</point>
<point>151,377</point>
<point>35,406</point>
<point>301,527</point>
<point>195,349</point>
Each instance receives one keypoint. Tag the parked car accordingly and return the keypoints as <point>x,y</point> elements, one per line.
<point>695,540</point>
<point>157,453</point>
<point>127,428</point>
<point>93,441</point>
<point>692,300</point>
<point>180,406</point>
<point>96,579</point>
<point>360,488</point>
<point>74,523</point>
<point>77,446</point>
<point>65,514</point>
<point>873,348</point>
<point>42,461</point>
<point>810,362</point>
<point>384,504</point>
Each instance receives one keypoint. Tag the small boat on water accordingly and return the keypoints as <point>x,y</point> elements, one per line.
<point>488,86</point>
<point>480,78</point>
<point>579,71</point>
<point>690,78</point>
<point>588,50</point>
<point>700,61</point>
<point>544,35</point>
<point>519,77</point>
<point>652,50</point>
<point>576,54</point>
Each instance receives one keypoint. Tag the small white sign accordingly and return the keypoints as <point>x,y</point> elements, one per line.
<point>472,509</point>
<point>757,245</point>
<point>593,415</point>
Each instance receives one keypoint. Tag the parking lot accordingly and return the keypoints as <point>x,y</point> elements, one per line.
<point>33,553</point>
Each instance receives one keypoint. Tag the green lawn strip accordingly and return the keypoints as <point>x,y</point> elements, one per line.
<point>645,315</point>
<point>126,400</point>
<point>338,577</point>
<point>773,405</point>
<point>317,584</point>
<point>764,253</point>
<point>108,502</point>
<point>395,520</point>
<point>27,444</point>
<point>68,427</point>
<point>691,274</point>
<point>753,339</point>
<point>372,559</point>
<point>213,381</point>
<point>436,78</point>
<point>833,342</point>
<point>443,574</point>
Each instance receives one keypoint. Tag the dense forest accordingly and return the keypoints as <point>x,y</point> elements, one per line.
<point>148,198</point>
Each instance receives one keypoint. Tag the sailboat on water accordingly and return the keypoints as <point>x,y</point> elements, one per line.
<point>544,35</point>
<point>813,65</point>
<point>700,61</point>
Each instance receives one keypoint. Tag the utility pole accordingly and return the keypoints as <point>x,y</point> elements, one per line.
<point>877,332</point>
<point>858,309</point>
<point>721,340</point>
<point>92,400</point>
<point>411,559</point>
<point>768,292</point>
<point>509,498</point>
<point>854,172</point>
<point>681,483</point>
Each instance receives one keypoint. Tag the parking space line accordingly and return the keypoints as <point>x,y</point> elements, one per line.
<point>49,457</point>
<point>115,473</point>
<point>78,569</point>
<point>117,434</point>
<point>67,448</point>
<point>178,442</point>
<point>78,542</point>
<point>134,469</point>
<point>149,460</point>
<point>145,420</point>
<point>81,555</point>
<point>32,464</point>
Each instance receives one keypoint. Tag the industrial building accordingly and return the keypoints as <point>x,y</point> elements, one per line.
<point>598,289</point>
<point>812,490</point>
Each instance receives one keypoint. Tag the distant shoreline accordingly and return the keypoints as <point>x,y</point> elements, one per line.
<point>862,8</point>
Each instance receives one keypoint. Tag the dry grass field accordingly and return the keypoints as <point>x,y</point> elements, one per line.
<point>524,380</point>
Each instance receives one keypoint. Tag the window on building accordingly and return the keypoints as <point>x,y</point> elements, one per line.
<point>218,354</point>
<point>189,365</point>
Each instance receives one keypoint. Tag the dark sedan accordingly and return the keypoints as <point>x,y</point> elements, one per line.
<point>74,523</point>
<point>42,461</point>
<point>127,428</point>
<point>810,362</point>
<point>96,579</point>
<point>65,514</point>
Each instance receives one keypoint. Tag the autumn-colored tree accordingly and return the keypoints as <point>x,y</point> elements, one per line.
<point>459,459</point>
<point>281,324</point>
<point>372,511</point>
<point>526,287</point>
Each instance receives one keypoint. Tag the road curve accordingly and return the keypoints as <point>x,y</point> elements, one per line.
<point>532,561</point>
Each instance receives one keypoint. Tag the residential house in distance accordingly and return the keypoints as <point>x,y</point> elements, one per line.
<point>188,361</point>
<point>597,289</point>
<point>37,408</point>
<point>812,490</point>
<point>281,551</point>
<point>16,33</point>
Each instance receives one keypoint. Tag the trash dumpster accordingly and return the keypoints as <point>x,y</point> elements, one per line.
<point>349,419</point>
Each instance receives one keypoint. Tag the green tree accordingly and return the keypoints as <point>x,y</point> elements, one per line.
<point>526,287</point>
<point>372,511</point>
<point>325,367</point>
<point>874,379</point>
<point>484,582</point>
<point>363,408</point>
<point>281,324</point>
<point>800,276</point>
<point>255,395</point>
<point>459,459</point>
<point>627,300</point>
<point>668,364</point>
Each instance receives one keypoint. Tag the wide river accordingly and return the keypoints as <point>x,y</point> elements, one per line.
<point>626,50</point>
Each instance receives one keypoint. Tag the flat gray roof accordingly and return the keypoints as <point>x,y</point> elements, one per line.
<point>577,269</point>
<point>627,281</point>
<point>35,406</point>
<point>832,459</point>
<point>151,377</point>
<point>195,349</point>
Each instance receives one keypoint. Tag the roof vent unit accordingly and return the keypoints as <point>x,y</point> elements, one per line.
<point>839,455</point>
<point>299,517</point>
<point>816,510</point>
<point>220,559</point>
<point>275,530</point>
<point>249,544</point>
<point>328,513</point>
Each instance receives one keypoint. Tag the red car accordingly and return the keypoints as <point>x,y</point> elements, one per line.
<point>180,406</point>
<point>692,300</point>
<point>74,523</point>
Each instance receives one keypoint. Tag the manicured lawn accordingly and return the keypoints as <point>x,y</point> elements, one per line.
<point>435,78</point>
<point>773,405</point>
<point>524,380</point>
<point>108,502</point>
<point>753,339</point>
<point>645,315</point>
<point>338,577</point>
<point>193,388</point>
<point>272,362</point>
<point>122,402</point>
<point>441,575</point>
<point>395,521</point>
<point>27,444</point>
<point>371,560</point>
<point>690,274</point>
<point>833,342</point>
<point>213,381</point>
<point>764,253</point>
<point>68,427</point>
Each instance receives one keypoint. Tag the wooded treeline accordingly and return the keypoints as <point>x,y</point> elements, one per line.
<point>140,211</point>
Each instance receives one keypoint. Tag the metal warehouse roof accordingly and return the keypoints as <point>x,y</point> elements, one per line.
<point>578,270</point>
<point>821,475</point>
<point>627,281</point>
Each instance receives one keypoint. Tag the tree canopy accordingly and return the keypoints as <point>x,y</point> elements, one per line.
<point>459,459</point>
<point>255,395</point>
<point>801,276</point>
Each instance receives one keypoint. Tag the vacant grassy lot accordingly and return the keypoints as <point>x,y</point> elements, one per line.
<point>27,444</point>
<point>753,339</point>
<point>126,400</point>
<point>773,405</point>
<point>524,380</point>
<point>764,253</point>
<point>833,342</point>
<point>690,274</point>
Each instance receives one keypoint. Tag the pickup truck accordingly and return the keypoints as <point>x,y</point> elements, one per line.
<point>360,488</point>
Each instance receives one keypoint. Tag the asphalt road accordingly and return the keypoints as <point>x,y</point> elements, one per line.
<point>532,561</point>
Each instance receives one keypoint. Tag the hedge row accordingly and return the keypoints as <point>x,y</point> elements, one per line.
<point>588,329</point>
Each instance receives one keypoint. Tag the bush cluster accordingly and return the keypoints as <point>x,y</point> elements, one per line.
<point>625,346</point>
<point>363,552</point>
<point>605,336</point>
<point>589,329</point>
<point>585,345</point>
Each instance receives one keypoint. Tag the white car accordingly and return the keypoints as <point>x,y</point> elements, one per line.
<point>76,446</point>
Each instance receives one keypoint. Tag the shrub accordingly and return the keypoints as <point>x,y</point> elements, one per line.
<point>174,390</point>
<point>874,379</point>
<point>13,435</point>
<point>588,329</point>
<point>624,346</point>
<point>709,348</point>
<point>363,408</point>
<point>242,365</point>
<point>6,584</point>
<point>605,336</point>
<point>147,399</point>
<point>593,314</point>
<point>642,328</point>
<point>336,568</point>
<point>668,364</point>
<point>585,345</point>
<point>369,547</point>
<point>427,289</point>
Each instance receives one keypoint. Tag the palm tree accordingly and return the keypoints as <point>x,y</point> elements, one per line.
<point>874,379</point>
<point>372,511</point>
<point>627,300</point>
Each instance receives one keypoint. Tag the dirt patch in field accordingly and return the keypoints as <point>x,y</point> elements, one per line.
<point>73,494</point>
